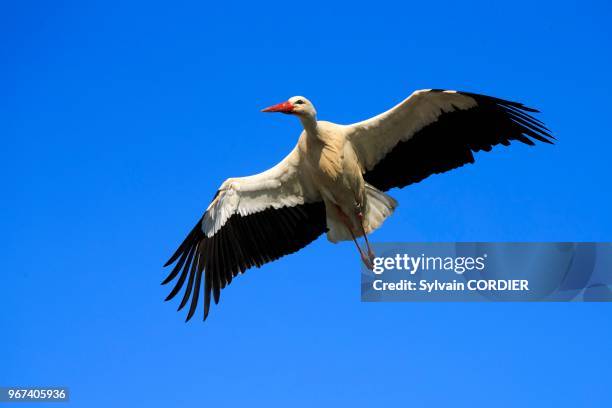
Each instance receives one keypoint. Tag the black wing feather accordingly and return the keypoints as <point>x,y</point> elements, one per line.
<point>242,243</point>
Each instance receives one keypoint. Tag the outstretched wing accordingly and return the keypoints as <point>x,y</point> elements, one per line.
<point>434,131</point>
<point>251,221</point>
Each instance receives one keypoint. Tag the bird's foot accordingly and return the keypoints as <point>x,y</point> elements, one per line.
<point>371,255</point>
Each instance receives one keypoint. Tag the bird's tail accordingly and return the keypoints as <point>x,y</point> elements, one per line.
<point>379,206</point>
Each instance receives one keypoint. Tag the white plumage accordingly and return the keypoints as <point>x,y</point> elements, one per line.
<point>375,137</point>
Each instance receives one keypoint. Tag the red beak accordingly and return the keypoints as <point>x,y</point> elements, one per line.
<point>285,107</point>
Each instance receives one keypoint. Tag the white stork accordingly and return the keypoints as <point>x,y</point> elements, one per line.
<point>333,182</point>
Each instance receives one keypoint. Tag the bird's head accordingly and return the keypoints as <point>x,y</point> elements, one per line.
<point>296,105</point>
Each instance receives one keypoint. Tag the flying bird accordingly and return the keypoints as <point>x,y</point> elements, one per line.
<point>334,182</point>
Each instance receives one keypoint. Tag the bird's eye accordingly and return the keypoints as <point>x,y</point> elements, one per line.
<point>299,102</point>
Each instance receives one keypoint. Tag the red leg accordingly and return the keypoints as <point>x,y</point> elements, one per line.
<point>365,236</point>
<point>367,261</point>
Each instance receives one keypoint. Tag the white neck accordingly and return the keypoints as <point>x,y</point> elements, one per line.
<point>309,122</point>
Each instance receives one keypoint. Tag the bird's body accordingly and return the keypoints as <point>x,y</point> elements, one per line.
<point>334,181</point>
<point>331,166</point>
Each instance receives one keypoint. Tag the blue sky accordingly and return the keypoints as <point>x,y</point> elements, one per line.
<point>120,120</point>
